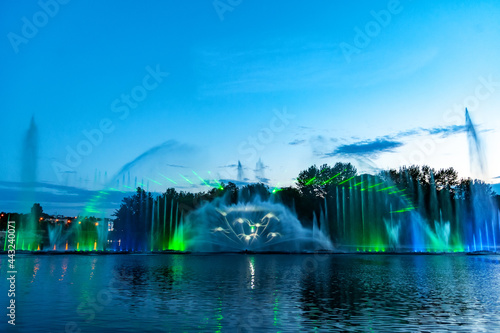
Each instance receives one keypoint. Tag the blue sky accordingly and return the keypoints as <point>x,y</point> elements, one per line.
<point>378,83</point>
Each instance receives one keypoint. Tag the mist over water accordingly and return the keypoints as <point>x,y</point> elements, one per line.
<point>255,226</point>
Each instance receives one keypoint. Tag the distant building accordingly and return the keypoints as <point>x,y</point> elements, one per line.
<point>111,224</point>
<point>59,219</point>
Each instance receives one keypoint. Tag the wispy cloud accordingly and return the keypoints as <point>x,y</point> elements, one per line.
<point>446,131</point>
<point>299,65</point>
<point>386,67</point>
<point>269,67</point>
<point>69,199</point>
<point>296,142</point>
<point>263,180</point>
<point>238,183</point>
<point>370,148</point>
<point>177,166</point>
<point>389,143</point>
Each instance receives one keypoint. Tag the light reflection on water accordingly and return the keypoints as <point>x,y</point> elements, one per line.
<point>255,293</point>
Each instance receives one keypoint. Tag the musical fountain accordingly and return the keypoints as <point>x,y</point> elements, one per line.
<point>251,226</point>
<point>365,213</point>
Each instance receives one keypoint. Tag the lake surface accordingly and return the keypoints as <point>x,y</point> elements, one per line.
<point>254,293</point>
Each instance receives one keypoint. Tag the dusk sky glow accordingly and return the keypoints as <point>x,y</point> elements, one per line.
<point>175,93</point>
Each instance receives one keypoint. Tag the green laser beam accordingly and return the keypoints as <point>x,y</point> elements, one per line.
<point>376,185</point>
<point>154,181</point>
<point>203,180</point>
<point>386,188</point>
<point>190,182</point>
<point>310,180</point>
<point>277,189</point>
<point>332,178</point>
<point>348,179</point>
<point>170,180</point>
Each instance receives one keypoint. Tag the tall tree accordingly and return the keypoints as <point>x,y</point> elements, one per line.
<point>314,181</point>
<point>36,211</point>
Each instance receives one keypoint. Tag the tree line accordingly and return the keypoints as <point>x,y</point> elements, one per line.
<point>314,188</point>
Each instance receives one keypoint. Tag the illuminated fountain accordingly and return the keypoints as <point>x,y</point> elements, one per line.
<point>371,214</point>
<point>251,226</point>
<point>28,235</point>
<point>149,224</point>
<point>483,217</point>
<point>362,213</point>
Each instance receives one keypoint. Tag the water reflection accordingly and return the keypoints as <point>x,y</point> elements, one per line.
<point>251,261</point>
<point>254,293</point>
<point>36,267</point>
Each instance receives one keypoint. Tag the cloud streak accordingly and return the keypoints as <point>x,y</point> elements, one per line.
<point>446,131</point>
<point>389,143</point>
<point>296,142</point>
<point>370,148</point>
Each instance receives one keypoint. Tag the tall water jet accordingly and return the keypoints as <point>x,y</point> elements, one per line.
<point>476,153</point>
<point>259,171</point>
<point>29,164</point>
<point>28,235</point>
<point>484,208</point>
<point>240,176</point>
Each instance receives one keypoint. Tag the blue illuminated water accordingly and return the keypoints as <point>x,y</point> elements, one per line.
<point>254,293</point>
